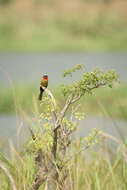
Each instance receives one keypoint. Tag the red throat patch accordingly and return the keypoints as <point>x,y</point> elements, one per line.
<point>45,77</point>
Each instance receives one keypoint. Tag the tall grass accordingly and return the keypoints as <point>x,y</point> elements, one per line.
<point>23,98</point>
<point>21,168</point>
<point>91,171</point>
<point>100,173</point>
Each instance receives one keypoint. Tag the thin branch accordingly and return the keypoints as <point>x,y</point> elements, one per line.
<point>73,111</point>
<point>41,173</point>
<point>5,170</point>
<point>62,113</point>
<point>67,104</point>
<point>97,86</point>
<point>58,124</point>
<point>48,92</point>
<point>51,96</point>
<point>76,99</point>
<point>54,148</point>
<point>37,182</point>
<point>32,133</point>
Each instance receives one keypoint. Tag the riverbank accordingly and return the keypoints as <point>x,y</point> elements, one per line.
<point>105,101</point>
<point>52,26</point>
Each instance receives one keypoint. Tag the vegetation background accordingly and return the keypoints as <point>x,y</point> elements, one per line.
<point>57,25</point>
<point>31,26</point>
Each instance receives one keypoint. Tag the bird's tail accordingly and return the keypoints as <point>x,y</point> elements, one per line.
<point>41,94</point>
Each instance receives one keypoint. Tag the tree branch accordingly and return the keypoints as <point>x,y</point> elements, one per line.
<point>41,174</point>
<point>58,119</point>
<point>32,133</point>
<point>54,148</point>
<point>62,113</point>
<point>97,86</point>
<point>76,99</point>
<point>58,124</point>
<point>51,96</point>
<point>48,92</point>
<point>37,182</point>
<point>73,111</point>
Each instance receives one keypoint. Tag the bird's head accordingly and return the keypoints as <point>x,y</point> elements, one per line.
<point>45,77</point>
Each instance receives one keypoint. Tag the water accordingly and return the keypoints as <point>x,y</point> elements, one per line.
<point>29,68</point>
<point>23,68</point>
<point>13,128</point>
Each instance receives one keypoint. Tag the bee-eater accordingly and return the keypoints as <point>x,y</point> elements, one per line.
<point>43,83</point>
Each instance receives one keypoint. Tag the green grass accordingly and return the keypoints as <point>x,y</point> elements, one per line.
<point>100,173</point>
<point>96,173</point>
<point>64,35</point>
<point>52,26</point>
<point>18,97</point>
<point>101,31</point>
<point>104,101</point>
<point>21,167</point>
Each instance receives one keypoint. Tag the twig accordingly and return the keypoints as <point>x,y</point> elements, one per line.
<point>54,148</point>
<point>48,92</point>
<point>41,174</point>
<point>73,111</point>
<point>67,104</point>
<point>58,122</point>
<point>32,133</point>
<point>51,96</point>
<point>62,113</point>
<point>76,99</point>
<point>91,88</point>
<point>5,170</point>
<point>98,85</point>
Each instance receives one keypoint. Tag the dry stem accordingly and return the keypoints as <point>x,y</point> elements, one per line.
<point>7,173</point>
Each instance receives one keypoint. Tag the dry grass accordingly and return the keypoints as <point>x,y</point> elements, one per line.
<point>99,169</point>
<point>49,9</point>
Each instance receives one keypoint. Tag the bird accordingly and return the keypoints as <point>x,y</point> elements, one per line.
<point>43,83</point>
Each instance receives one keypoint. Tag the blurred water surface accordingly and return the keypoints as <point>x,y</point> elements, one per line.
<point>30,67</point>
<point>16,129</point>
